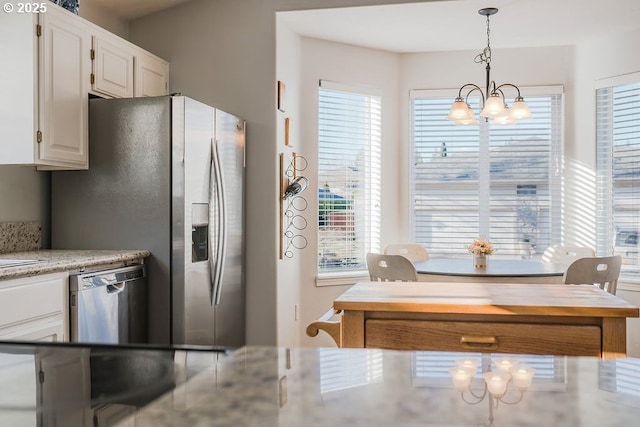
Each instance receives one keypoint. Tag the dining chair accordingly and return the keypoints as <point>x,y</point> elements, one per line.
<point>600,271</point>
<point>390,268</point>
<point>559,254</point>
<point>413,251</point>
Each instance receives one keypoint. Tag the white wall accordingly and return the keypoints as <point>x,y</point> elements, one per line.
<point>289,269</point>
<point>92,11</point>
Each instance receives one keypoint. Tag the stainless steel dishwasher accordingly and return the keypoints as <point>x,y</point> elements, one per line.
<point>109,306</point>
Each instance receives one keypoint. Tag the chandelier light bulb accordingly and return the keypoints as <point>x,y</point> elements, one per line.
<point>461,377</point>
<point>493,106</point>
<point>520,109</point>
<point>497,382</point>
<point>459,110</point>
<point>522,377</point>
<point>469,120</point>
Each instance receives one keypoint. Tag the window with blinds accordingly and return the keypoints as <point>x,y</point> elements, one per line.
<point>500,182</point>
<point>618,172</point>
<point>349,163</point>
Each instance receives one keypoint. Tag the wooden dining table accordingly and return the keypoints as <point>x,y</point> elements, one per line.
<point>497,271</point>
<point>572,320</point>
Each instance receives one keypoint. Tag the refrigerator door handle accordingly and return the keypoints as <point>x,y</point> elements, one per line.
<point>214,230</point>
<point>221,225</point>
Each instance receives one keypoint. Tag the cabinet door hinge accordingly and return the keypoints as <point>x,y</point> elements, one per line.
<point>93,54</point>
<point>39,136</point>
<point>38,30</point>
<point>41,376</point>
<point>93,78</point>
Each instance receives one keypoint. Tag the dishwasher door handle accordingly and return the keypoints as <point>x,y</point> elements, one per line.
<point>116,288</point>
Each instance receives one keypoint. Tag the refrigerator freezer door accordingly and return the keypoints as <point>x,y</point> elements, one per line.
<point>230,310</point>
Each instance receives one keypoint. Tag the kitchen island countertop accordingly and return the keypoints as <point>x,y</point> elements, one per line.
<point>305,387</point>
<point>57,260</point>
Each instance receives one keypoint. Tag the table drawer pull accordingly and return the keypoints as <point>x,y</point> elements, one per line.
<point>489,343</point>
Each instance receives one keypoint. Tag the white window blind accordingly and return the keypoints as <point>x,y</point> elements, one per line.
<point>349,162</point>
<point>618,166</point>
<point>500,182</point>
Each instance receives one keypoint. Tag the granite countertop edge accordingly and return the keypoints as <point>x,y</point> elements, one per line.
<point>59,260</point>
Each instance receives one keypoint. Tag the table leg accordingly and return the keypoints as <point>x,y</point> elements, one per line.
<point>614,337</point>
<point>353,329</point>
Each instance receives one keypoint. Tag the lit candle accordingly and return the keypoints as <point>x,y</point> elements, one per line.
<point>522,377</point>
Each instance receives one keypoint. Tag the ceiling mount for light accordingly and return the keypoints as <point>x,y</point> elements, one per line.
<point>494,105</point>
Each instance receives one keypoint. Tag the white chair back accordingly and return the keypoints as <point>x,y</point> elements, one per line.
<point>600,271</point>
<point>565,255</point>
<point>390,268</point>
<point>413,251</point>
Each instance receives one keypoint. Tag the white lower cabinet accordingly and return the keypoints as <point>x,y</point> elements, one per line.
<point>35,308</point>
<point>64,382</point>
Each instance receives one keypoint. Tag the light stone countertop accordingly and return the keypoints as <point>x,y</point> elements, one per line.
<point>57,260</point>
<point>366,387</point>
<point>305,387</point>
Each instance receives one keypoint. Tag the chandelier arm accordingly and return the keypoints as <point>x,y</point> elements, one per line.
<point>509,85</point>
<point>512,402</point>
<point>473,89</point>
<point>481,396</point>
<point>478,399</point>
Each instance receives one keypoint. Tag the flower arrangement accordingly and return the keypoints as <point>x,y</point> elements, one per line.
<point>481,247</point>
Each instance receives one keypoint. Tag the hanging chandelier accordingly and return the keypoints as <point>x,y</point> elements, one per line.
<point>493,105</point>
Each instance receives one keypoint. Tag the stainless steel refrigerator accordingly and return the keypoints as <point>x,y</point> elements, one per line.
<point>165,174</point>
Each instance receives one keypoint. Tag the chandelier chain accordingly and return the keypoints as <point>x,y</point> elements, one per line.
<point>485,56</point>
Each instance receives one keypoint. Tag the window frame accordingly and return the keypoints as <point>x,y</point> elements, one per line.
<point>374,229</point>
<point>606,235</point>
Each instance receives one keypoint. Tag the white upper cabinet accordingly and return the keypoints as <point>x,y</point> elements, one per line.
<point>50,64</point>
<point>63,104</point>
<point>123,70</point>
<point>44,116</point>
<point>112,67</point>
<point>151,74</point>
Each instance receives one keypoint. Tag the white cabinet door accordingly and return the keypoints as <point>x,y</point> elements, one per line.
<point>18,86</point>
<point>64,376</point>
<point>35,308</point>
<point>65,64</point>
<point>112,67</point>
<point>152,75</point>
